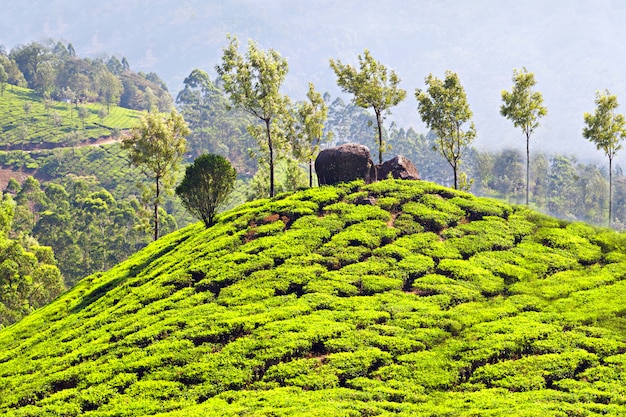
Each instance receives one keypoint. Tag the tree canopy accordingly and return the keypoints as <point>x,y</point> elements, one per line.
<point>206,186</point>
<point>311,116</point>
<point>606,129</point>
<point>523,106</point>
<point>157,146</point>
<point>373,86</point>
<point>253,83</point>
<point>53,70</point>
<point>444,109</point>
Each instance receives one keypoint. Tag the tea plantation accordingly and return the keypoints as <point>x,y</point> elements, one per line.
<point>390,299</point>
<point>28,121</point>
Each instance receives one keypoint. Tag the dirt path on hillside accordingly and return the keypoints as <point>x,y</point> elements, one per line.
<point>20,175</point>
<point>33,147</point>
<point>100,141</point>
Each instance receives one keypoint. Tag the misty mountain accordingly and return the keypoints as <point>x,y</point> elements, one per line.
<point>574,48</point>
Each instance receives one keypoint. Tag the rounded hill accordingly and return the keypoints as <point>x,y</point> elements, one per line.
<point>394,298</point>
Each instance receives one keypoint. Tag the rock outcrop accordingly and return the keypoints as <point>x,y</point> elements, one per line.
<point>345,163</point>
<point>399,167</point>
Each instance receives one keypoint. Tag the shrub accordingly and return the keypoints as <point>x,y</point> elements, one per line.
<point>503,264</point>
<point>460,292</point>
<point>533,372</point>
<point>319,195</point>
<point>476,208</point>
<point>407,224</point>
<point>416,266</point>
<point>368,233</point>
<point>358,213</point>
<point>308,374</point>
<point>562,284</point>
<point>349,365</point>
<point>543,260</point>
<point>433,217</point>
<point>417,242</point>
<point>392,251</point>
<point>466,271</point>
<point>586,252</point>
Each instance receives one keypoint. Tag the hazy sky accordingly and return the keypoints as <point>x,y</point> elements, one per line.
<point>574,47</point>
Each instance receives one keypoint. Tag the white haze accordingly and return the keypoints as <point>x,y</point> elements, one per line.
<point>574,48</point>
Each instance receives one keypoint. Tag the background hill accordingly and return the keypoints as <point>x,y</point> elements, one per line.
<point>32,122</point>
<point>395,298</point>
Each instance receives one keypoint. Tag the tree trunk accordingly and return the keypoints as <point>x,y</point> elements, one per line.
<point>610,189</point>
<point>271,151</point>
<point>380,137</point>
<point>310,172</point>
<point>527,164</point>
<point>156,209</point>
<point>456,180</point>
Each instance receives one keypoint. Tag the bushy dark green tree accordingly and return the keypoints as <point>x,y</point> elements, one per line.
<point>206,186</point>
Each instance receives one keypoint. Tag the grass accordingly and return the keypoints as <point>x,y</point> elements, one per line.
<point>429,302</point>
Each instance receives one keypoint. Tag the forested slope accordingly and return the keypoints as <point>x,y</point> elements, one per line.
<point>395,298</point>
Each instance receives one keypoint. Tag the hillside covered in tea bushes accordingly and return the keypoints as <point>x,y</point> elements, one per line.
<point>395,298</point>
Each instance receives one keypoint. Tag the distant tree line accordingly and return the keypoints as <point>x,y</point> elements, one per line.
<point>86,227</point>
<point>559,185</point>
<point>55,71</point>
<point>29,276</point>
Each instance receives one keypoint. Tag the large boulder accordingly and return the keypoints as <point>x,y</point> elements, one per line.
<point>399,167</point>
<point>345,163</point>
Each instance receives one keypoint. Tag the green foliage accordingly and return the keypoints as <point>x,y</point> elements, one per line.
<point>606,130</point>
<point>206,186</point>
<point>54,71</point>
<point>86,227</point>
<point>307,304</point>
<point>311,116</point>
<point>371,87</point>
<point>523,107</point>
<point>215,127</point>
<point>253,82</point>
<point>433,215</point>
<point>444,109</point>
<point>29,277</point>
<point>157,146</point>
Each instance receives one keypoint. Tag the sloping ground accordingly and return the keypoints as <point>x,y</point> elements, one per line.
<point>28,122</point>
<point>395,298</point>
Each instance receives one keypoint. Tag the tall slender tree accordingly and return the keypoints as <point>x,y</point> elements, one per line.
<point>606,129</point>
<point>523,106</point>
<point>157,146</point>
<point>253,82</point>
<point>444,109</point>
<point>372,86</point>
<point>311,116</point>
